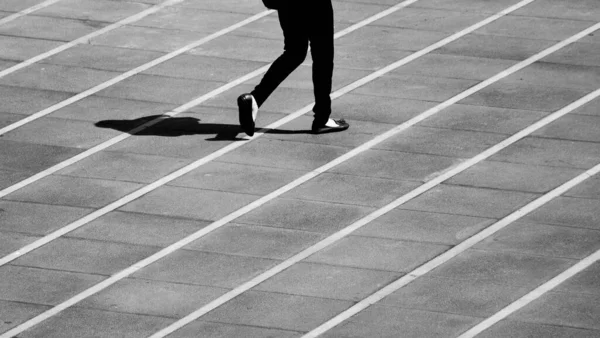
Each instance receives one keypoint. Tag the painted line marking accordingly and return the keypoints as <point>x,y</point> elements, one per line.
<point>192,166</point>
<point>27,11</point>
<point>130,73</point>
<point>85,39</point>
<point>471,241</point>
<point>179,109</point>
<point>172,248</point>
<point>535,294</point>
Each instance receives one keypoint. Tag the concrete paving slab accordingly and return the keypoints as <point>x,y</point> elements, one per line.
<point>543,240</point>
<point>241,48</point>
<point>58,78</point>
<point>6,64</point>
<point>145,38</point>
<point>42,286</point>
<point>348,189</point>
<point>444,142</point>
<point>387,322</point>
<point>576,10</point>
<point>559,75</point>
<point>277,311</point>
<point>118,166</point>
<point>354,12</point>
<point>221,330</point>
<point>420,226</point>
<point>504,94</point>
<point>204,68</point>
<point>415,87</point>
<point>103,57</point>
<point>586,281</point>
<point>50,28</point>
<point>377,253</point>
<point>159,89</point>
<point>573,127</point>
<point>514,176</point>
<point>236,6</point>
<point>8,119</point>
<point>396,165</point>
<point>591,108</point>
<point>13,241</point>
<point>391,38</point>
<point>308,215</point>
<point>475,298</point>
<point>190,19</point>
<point>568,211</point>
<point>77,255</point>
<point>61,132</point>
<point>495,47</point>
<point>467,5</point>
<point>73,191</point>
<point>489,203</point>
<point>483,119</point>
<point>204,268</point>
<point>430,19</point>
<point>517,329</point>
<point>98,108</point>
<point>35,218</point>
<point>22,156</point>
<point>455,66</point>
<point>326,281</point>
<point>359,56</point>
<point>107,11</point>
<point>577,53</point>
<point>551,152</point>
<point>377,109</point>
<point>18,5</point>
<point>76,323</point>
<point>237,178</point>
<point>284,154</point>
<point>255,241</point>
<point>566,309</point>
<point>508,268</point>
<point>15,313</point>
<point>535,28</point>
<point>590,189</point>
<point>154,298</point>
<point>267,27</point>
<point>139,229</point>
<point>189,203</point>
<point>25,101</point>
<point>8,177</point>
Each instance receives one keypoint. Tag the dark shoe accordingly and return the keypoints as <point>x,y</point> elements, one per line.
<point>322,129</point>
<point>247,113</point>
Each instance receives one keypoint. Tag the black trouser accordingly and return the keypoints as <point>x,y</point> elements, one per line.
<point>304,21</point>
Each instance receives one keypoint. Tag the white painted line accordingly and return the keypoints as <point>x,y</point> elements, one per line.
<point>175,112</point>
<point>130,73</point>
<point>533,295</point>
<point>471,241</point>
<point>86,38</point>
<point>27,11</point>
<point>178,245</point>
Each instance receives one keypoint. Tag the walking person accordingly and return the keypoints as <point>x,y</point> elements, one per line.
<point>302,22</point>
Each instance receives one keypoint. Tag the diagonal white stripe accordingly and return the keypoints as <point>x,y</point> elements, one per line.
<point>27,11</point>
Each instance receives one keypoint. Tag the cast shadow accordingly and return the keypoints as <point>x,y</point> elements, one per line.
<point>160,125</point>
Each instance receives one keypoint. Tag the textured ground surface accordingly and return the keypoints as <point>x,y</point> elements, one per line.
<point>111,231</point>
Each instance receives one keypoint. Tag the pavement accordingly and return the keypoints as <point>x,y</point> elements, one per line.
<point>463,201</point>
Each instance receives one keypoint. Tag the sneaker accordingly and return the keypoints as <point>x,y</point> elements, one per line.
<point>322,129</point>
<point>248,109</point>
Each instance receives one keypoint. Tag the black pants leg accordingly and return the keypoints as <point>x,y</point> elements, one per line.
<point>310,21</point>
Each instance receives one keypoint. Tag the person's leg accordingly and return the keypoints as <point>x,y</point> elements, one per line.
<point>295,49</point>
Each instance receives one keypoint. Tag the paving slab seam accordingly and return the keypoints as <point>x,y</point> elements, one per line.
<point>535,294</point>
<point>253,205</point>
<point>130,73</point>
<point>357,225</point>
<point>471,241</point>
<point>86,38</point>
<point>175,111</point>
<point>27,11</point>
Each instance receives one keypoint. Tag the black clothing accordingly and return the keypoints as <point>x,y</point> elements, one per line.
<point>303,22</point>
